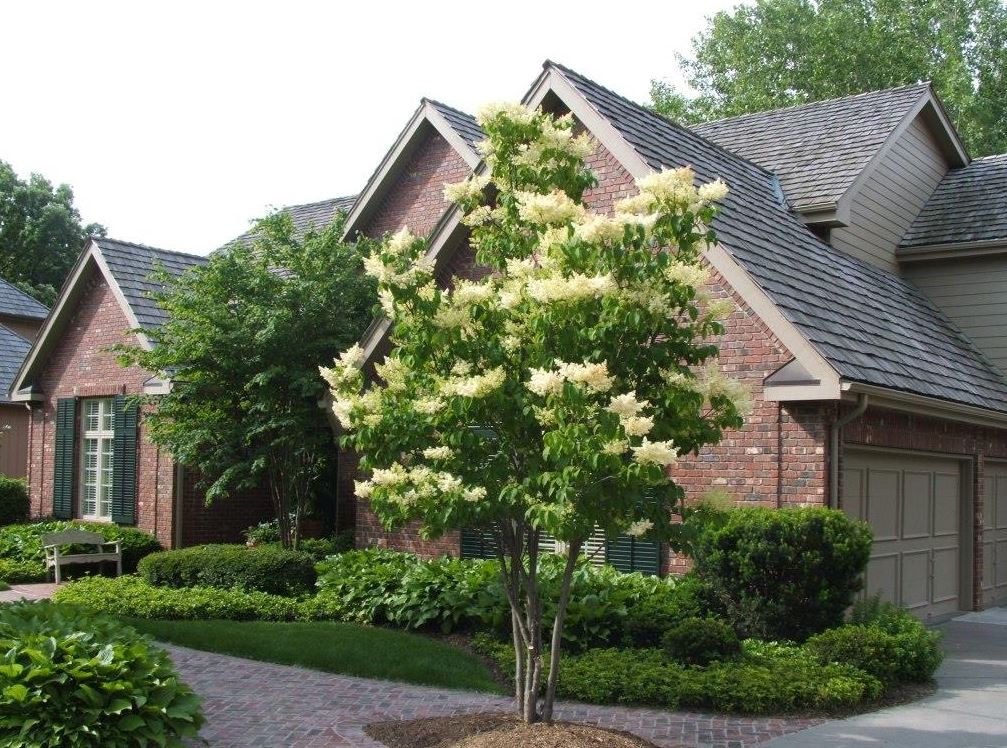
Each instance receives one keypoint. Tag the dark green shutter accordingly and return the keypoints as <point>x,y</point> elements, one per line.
<point>66,431</point>
<point>628,554</point>
<point>478,543</point>
<point>124,421</point>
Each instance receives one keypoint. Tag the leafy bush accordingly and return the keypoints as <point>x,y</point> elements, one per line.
<point>266,568</point>
<point>133,597</point>
<point>867,647</point>
<point>918,650</point>
<point>13,500</point>
<point>700,641</point>
<point>784,573</point>
<point>75,679</point>
<point>649,617</point>
<point>321,548</point>
<point>23,560</point>
<point>264,532</point>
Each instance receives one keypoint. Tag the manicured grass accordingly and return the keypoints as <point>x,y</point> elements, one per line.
<point>332,647</point>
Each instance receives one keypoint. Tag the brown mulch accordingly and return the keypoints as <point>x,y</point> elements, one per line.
<point>496,731</point>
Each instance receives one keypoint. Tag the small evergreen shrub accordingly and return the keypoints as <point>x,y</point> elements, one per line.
<point>700,641</point>
<point>919,648</point>
<point>649,618</point>
<point>784,573</point>
<point>70,678</point>
<point>265,568</point>
<point>13,500</point>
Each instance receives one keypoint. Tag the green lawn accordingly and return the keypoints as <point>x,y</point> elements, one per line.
<point>332,647</point>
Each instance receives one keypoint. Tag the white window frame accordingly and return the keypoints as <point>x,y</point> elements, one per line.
<point>104,438</point>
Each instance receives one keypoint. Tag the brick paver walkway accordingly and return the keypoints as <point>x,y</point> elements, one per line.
<point>27,592</point>
<point>251,704</point>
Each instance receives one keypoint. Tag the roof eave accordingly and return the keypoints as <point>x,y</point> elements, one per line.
<point>955,250</point>
<point>891,399</point>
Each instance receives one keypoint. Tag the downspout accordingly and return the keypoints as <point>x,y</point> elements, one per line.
<point>835,432</point>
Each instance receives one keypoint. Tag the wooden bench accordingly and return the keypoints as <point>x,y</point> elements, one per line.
<point>55,558</point>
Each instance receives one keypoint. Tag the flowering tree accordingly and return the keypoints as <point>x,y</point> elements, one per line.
<point>553,395</point>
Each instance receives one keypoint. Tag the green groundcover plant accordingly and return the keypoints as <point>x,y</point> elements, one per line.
<point>69,678</point>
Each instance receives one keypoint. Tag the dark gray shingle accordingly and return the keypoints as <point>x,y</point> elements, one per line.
<point>13,349</point>
<point>969,205</point>
<point>132,265</point>
<point>310,215</point>
<point>869,323</point>
<point>17,303</point>
<point>817,149</point>
<point>462,123</point>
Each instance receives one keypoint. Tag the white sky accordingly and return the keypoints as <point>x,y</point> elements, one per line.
<point>178,123</point>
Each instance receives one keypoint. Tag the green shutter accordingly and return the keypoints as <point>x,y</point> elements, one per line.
<point>628,554</point>
<point>478,543</point>
<point>124,419</point>
<point>66,431</point>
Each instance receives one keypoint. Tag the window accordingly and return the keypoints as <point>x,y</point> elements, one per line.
<point>98,440</point>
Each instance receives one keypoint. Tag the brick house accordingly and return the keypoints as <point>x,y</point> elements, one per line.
<point>90,455</point>
<point>21,316</point>
<point>866,254</point>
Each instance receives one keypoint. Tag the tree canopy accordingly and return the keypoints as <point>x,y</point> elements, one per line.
<point>40,233</point>
<point>776,53</point>
<point>241,345</point>
<point>550,397</point>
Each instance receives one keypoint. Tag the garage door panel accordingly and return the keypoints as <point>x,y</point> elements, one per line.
<point>882,577</point>
<point>915,579</point>
<point>853,492</point>
<point>945,574</point>
<point>995,534</point>
<point>946,503</point>
<point>883,503</point>
<point>1000,566</point>
<point>916,500</point>
<point>1000,502</point>
<point>989,565</point>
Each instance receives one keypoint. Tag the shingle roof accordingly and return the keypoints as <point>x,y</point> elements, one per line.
<point>310,215</point>
<point>13,349</point>
<point>17,303</point>
<point>817,149</point>
<point>131,266</point>
<point>462,123</point>
<point>869,323</point>
<point>969,205</point>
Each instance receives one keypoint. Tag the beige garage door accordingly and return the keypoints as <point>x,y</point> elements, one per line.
<point>913,504</point>
<point>995,535</point>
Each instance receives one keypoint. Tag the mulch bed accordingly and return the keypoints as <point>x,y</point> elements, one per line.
<point>496,731</point>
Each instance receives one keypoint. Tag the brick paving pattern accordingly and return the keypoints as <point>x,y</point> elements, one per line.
<point>27,592</point>
<point>251,704</point>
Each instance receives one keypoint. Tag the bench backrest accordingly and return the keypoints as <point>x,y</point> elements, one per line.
<point>72,537</point>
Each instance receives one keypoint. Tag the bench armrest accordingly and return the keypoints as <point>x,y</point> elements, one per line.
<point>116,543</point>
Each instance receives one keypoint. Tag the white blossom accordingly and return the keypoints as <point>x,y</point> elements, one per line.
<point>429,405</point>
<point>545,210</point>
<point>637,425</point>
<point>639,527</point>
<point>599,228</point>
<point>468,189</point>
<point>400,241</point>
<point>438,453</point>
<point>674,185</point>
<point>363,488</point>
<point>467,292</point>
<point>593,376</point>
<point>448,483</point>
<point>474,493</point>
<point>616,447</point>
<point>626,405</point>
<point>573,288</point>
<point>393,475</point>
<point>712,192</point>
<point>689,274</point>
<point>545,382</point>
<point>509,109</point>
<point>656,453</point>
<point>477,386</point>
<point>393,372</point>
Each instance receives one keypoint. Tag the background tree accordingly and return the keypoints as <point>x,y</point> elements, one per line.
<point>551,396</point>
<point>40,234</point>
<point>242,343</point>
<point>776,53</point>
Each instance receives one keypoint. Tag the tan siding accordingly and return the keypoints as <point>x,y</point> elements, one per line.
<point>890,199</point>
<point>973,293</point>
<point>14,441</point>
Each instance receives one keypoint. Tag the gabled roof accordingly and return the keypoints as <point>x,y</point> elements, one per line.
<point>456,127</point>
<point>13,349</point>
<point>870,324</point>
<point>308,216</point>
<point>819,150</point>
<point>968,206</point>
<point>131,266</point>
<point>16,303</point>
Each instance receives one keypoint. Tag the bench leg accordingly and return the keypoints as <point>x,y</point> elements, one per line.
<point>118,567</point>
<point>55,569</point>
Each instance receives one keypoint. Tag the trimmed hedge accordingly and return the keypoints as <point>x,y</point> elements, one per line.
<point>784,573</point>
<point>23,560</point>
<point>265,568</point>
<point>13,500</point>
<point>70,678</point>
<point>700,641</point>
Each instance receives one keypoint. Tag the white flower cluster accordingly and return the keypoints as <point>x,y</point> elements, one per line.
<point>639,527</point>
<point>557,136</point>
<point>408,485</point>
<point>655,453</point>
<point>467,190</point>
<point>553,209</point>
<point>475,386</point>
<point>629,410</point>
<point>356,410</point>
<point>394,373</point>
<point>591,376</point>
<point>346,369</point>
<point>509,109</point>
<point>598,228</point>
<point>575,287</point>
<point>694,275</point>
<point>438,453</point>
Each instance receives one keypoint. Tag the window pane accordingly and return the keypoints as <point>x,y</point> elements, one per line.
<point>106,479</point>
<point>106,415</point>
<point>91,412</point>
<point>90,487</point>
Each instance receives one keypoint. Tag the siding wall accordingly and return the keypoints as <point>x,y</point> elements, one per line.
<point>885,206</point>
<point>973,293</point>
<point>14,442</point>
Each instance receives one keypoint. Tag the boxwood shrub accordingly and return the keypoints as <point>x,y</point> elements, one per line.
<point>700,641</point>
<point>13,500</point>
<point>23,560</point>
<point>264,568</point>
<point>70,678</point>
<point>784,573</point>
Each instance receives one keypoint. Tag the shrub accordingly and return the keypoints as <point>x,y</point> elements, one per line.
<point>131,596</point>
<point>13,500</point>
<point>700,641</point>
<point>75,679</point>
<point>23,560</point>
<point>265,568</point>
<point>866,647</point>
<point>919,648</point>
<point>264,532</point>
<point>670,603</point>
<point>784,573</point>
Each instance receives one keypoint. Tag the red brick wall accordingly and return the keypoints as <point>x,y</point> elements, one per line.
<point>224,520</point>
<point>416,198</point>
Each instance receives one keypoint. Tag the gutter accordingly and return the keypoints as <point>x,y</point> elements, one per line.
<point>835,433</point>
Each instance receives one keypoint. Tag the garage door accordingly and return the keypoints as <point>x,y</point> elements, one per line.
<point>995,535</point>
<point>913,504</point>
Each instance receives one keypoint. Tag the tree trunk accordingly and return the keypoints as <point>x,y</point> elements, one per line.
<point>557,631</point>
